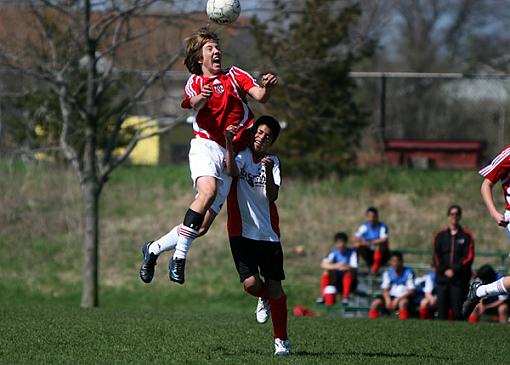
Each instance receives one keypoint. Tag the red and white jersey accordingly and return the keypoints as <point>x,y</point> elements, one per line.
<point>227,105</point>
<point>250,213</point>
<point>499,170</point>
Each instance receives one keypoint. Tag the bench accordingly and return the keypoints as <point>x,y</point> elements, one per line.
<point>373,282</point>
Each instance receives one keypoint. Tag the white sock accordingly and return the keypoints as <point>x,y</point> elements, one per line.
<point>165,243</point>
<point>186,237</point>
<point>494,288</point>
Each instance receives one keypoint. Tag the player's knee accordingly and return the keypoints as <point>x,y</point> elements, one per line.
<point>376,303</point>
<point>403,303</point>
<point>252,284</point>
<point>207,197</point>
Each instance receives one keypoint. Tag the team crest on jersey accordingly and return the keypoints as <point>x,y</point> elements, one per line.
<point>218,87</point>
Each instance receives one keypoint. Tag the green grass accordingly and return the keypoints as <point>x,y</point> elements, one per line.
<point>56,333</point>
<point>41,261</point>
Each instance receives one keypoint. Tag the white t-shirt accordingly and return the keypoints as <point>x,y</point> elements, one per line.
<point>250,213</point>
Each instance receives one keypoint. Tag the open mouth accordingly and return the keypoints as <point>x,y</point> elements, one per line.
<point>216,60</point>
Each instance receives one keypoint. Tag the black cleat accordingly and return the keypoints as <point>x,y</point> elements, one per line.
<point>471,301</point>
<point>176,270</point>
<point>149,261</point>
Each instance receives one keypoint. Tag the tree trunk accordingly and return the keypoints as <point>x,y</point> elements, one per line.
<point>90,290</point>
<point>90,184</point>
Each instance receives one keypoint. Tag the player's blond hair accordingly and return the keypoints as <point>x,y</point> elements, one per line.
<point>193,50</point>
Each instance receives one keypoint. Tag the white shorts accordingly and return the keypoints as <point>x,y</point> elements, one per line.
<point>207,158</point>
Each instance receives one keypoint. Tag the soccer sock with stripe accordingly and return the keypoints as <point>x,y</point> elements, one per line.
<point>495,288</point>
<point>279,316</point>
<point>165,243</point>
<point>188,231</point>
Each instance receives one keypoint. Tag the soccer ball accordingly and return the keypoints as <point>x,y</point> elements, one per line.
<point>223,11</point>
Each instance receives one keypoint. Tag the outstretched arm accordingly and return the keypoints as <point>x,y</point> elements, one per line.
<point>486,191</point>
<point>262,94</point>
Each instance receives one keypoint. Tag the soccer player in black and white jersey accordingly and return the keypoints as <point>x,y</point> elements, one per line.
<point>253,225</point>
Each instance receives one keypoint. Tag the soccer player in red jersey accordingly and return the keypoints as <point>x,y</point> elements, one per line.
<point>220,99</point>
<point>497,170</point>
<point>253,226</point>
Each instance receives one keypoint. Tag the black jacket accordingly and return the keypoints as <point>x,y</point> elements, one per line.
<point>453,252</point>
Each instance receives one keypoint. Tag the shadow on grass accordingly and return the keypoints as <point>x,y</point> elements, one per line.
<point>371,354</point>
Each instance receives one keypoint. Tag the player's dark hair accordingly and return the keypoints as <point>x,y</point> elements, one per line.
<point>397,254</point>
<point>341,236</point>
<point>454,206</point>
<point>272,123</point>
<point>486,273</point>
<point>193,48</point>
<point>373,210</point>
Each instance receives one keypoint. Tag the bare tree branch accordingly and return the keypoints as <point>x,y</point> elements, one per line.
<point>69,151</point>
<point>104,24</point>
<point>107,160</point>
<point>115,162</point>
<point>47,32</point>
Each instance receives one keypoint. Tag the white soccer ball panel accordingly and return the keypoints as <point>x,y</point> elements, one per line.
<point>223,11</point>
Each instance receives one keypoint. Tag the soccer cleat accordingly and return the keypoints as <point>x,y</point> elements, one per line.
<point>281,347</point>
<point>176,270</point>
<point>471,301</point>
<point>149,261</point>
<point>263,311</point>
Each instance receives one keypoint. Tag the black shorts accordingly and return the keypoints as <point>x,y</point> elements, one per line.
<point>251,255</point>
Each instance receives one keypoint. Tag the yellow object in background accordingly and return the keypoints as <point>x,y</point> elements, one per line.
<point>146,151</point>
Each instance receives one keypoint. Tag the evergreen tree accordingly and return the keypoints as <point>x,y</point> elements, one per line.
<point>312,51</point>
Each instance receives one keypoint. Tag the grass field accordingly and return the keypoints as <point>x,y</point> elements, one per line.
<point>56,333</point>
<point>40,272</point>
